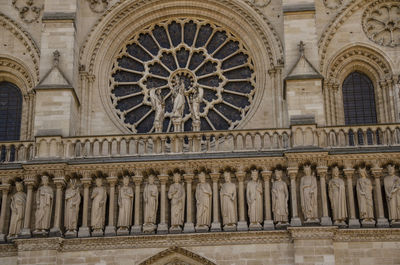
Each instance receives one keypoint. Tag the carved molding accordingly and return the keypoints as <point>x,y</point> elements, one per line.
<point>29,11</point>
<point>20,71</point>
<point>330,30</point>
<point>98,6</point>
<point>118,12</point>
<point>168,255</point>
<point>261,3</point>
<point>25,38</point>
<point>208,239</point>
<point>332,4</point>
<point>381,22</point>
<point>307,233</point>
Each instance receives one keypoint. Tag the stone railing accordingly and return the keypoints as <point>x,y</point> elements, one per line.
<point>301,136</point>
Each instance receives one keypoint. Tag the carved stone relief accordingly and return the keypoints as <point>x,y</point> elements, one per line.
<point>381,23</point>
<point>332,4</point>
<point>98,6</point>
<point>29,10</point>
<point>260,3</point>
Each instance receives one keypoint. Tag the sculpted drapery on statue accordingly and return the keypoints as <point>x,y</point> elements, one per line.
<point>176,194</point>
<point>125,203</point>
<point>158,103</point>
<point>72,202</point>
<point>203,202</point>
<point>150,199</point>
<point>280,197</point>
<point>228,201</point>
<point>44,205</point>
<point>364,196</point>
<point>392,190</point>
<point>18,202</point>
<point>308,195</point>
<point>337,196</point>
<point>178,95</point>
<point>254,195</point>
<point>99,198</point>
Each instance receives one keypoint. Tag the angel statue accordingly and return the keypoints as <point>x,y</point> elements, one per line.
<point>158,104</point>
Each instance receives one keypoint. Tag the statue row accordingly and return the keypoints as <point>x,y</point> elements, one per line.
<point>228,202</point>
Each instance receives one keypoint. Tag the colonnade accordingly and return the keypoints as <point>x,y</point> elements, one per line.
<point>202,201</point>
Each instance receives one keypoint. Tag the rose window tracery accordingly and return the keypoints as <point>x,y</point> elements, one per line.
<point>182,74</point>
<point>381,23</point>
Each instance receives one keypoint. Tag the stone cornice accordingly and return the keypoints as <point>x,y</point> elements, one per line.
<point>203,239</point>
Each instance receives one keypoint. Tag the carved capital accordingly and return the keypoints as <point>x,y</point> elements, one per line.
<point>266,174</point>
<point>189,177</point>
<point>348,172</point>
<point>59,181</point>
<point>215,176</point>
<point>112,180</point>
<point>163,179</point>
<point>30,180</point>
<point>241,175</point>
<point>86,181</point>
<point>292,172</point>
<point>377,172</point>
<point>5,188</point>
<point>322,171</point>
<point>137,180</point>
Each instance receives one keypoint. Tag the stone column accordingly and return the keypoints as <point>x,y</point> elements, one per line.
<point>29,183</point>
<point>5,187</point>
<point>59,181</point>
<point>325,219</point>
<point>242,224</point>
<point>216,224</point>
<point>295,221</point>
<point>137,227</point>
<point>84,230</point>
<point>353,221</point>
<point>163,225</point>
<point>189,225</point>
<point>110,228</point>
<point>382,221</point>
<point>268,222</point>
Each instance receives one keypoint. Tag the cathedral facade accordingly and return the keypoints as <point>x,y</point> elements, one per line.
<point>223,132</point>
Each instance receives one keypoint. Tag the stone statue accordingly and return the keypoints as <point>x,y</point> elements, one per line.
<point>99,199</point>
<point>392,190</point>
<point>337,196</point>
<point>150,199</point>
<point>18,203</point>
<point>44,205</point>
<point>158,104</point>
<point>228,202</point>
<point>254,193</point>
<point>203,202</point>
<point>178,96</point>
<point>196,97</point>
<point>125,203</point>
<point>280,197</point>
<point>364,196</point>
<point>176,194</point>
<point>308,195</point>
<point>72,202</point>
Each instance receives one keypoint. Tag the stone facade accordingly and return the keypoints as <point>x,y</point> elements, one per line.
<point>109,91</point>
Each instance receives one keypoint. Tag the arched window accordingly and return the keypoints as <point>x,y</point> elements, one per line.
<point>359,100</point>
<point>10,111</point>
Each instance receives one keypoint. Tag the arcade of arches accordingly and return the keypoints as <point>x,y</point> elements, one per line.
<point>217,132</point>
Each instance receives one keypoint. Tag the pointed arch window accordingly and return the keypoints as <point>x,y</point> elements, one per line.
<point>359,99</point>
<point>10,111</point>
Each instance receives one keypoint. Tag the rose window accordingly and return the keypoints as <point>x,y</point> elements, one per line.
<point>182,75</point>
<point>381,23</point>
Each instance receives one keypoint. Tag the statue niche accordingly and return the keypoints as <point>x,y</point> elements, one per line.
<point>392,190</point>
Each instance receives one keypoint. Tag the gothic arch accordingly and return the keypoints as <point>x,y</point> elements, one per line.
<point>29,44</point>
<point>176,255</point>
<point>120,22</point>
<point>15,71</point>
<point>372,63</point>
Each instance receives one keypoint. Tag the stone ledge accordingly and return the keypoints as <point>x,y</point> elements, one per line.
<point>61,16</point>
<point>299,8</point>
